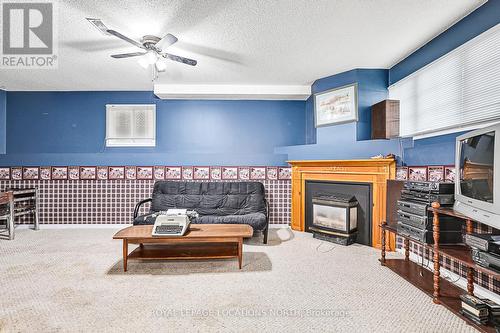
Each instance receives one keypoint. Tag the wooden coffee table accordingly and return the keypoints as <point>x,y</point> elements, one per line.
<point>202,241</point>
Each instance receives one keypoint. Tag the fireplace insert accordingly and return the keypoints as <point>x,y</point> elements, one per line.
<point>335,216</point>
<point>339,211</point>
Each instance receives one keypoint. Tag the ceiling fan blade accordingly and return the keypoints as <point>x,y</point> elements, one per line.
<point>174,57</point>
<point>97,23</point>
<point>166,41</point>
<point>125,38</point>
<point>127,55</point>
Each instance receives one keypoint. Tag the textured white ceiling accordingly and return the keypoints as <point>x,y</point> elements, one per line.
<point>238,41</point>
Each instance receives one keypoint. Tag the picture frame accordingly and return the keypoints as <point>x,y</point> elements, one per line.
<point>336,106</point>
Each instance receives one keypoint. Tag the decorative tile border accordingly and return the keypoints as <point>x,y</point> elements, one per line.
<point>433,173</point>
<point>73,172</point>
<point>116,172</point>
<point>215,173</point>
<point>88,173</point>
<point>130,172</point>
<point>60,173</point>
<point>187,173</point>
<point>102,172</point>
<point>173,173</point>
<point>244,173</point>
<point>159,172</point>
<point>201,173</point>
<point>257,173</point>
<point>230,173</point>
<point>16,173</point>
<point>45,173</point>
<point>148,173</point>
<point>31,173</point>
<point>4,173</point>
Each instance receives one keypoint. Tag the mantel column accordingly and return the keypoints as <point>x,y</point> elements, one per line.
<point>297,221</point>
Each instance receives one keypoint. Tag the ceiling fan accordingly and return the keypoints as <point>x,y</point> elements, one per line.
<point>152,48</point>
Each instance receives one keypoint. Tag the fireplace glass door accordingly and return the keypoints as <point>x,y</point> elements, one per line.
<point>330,217</point>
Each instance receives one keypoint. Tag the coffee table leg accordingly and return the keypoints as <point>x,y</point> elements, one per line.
<point>240,251</point>
<point>125,254</point>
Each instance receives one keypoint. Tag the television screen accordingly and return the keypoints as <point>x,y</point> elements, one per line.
<point>476,167</point>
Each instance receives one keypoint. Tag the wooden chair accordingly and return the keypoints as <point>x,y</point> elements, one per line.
<point>7,211</point>
<point>20,202</point>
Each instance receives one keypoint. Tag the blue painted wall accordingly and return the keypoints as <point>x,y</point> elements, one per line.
<point>66,128</point>
<point>3,121</point>
<point>346,141</point>
<point>440,150</point>
<point>477,22</point>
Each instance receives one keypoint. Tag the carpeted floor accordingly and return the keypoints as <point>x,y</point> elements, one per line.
<point>71,280</point>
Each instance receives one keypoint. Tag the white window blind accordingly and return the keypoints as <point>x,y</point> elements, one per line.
<point>460,89</point>
<point>130,125</point>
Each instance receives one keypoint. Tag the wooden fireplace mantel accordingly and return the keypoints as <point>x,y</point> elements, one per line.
<point>373,171</point>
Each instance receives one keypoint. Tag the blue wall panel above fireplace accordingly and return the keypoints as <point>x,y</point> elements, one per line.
<point>346,141</point>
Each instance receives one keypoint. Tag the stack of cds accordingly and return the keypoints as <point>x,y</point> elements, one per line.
<point>494,310</point>
<point>475,309</point>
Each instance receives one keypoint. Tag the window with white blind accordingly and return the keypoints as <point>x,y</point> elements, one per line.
<point>130,125</point>
<point>458,91</point>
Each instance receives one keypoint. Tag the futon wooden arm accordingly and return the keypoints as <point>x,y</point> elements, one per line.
<point>138,206</point>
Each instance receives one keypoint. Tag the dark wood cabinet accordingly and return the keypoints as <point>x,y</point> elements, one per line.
<point>385,119</point>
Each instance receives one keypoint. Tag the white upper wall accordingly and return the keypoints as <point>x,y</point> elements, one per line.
<point>245,42</point>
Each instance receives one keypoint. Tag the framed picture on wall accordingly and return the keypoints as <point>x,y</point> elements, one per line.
<point>336,106</point>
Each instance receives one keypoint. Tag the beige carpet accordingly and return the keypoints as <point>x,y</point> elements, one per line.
<point>71,280</point>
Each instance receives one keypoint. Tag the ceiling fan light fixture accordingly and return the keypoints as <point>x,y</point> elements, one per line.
<point>151,57</point>
<point>143,61</point>
<point>161,65</point>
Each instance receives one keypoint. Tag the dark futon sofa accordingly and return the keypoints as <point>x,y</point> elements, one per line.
<point>215,202</point>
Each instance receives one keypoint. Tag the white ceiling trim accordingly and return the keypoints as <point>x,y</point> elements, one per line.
<point>233,92</point>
